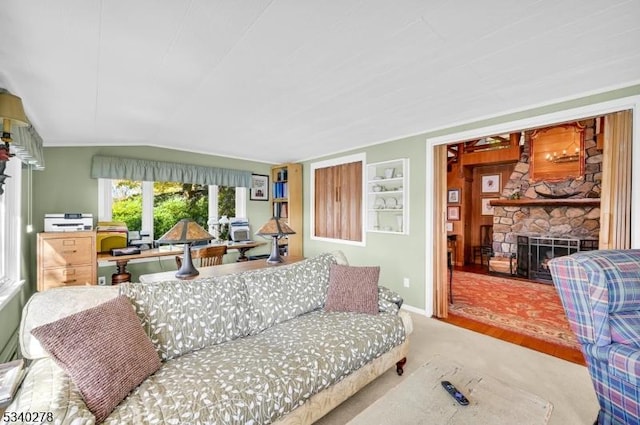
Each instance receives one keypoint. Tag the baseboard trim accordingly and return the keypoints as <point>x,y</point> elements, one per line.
<point>411,309</point>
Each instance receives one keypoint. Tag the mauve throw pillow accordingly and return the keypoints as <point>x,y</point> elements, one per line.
<point>104,350</point>
<point>353,289</point>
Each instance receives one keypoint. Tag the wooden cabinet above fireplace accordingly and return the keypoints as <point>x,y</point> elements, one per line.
<point>557,153</point>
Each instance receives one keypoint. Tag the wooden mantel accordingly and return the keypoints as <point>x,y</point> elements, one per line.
<point>546,202</point>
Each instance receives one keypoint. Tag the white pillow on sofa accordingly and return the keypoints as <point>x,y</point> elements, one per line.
<point>53,304</point>
<point>341,259</point>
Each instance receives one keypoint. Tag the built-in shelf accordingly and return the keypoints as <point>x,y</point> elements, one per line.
<point>545,202</point>
<point>387,197</point>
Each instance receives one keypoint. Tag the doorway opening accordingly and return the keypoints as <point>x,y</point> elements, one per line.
<point>503,258</point>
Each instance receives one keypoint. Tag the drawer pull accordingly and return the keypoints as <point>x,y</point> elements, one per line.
<point>70,251</point>
<point>69,281</point>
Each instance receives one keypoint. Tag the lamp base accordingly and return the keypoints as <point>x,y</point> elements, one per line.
<point>274,258</point>
<point>187,269</point>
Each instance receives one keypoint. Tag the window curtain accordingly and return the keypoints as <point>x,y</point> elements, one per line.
<point>27,144</point>
<point>440,277</point>
<point>615,197</point>
<point>108,167</point>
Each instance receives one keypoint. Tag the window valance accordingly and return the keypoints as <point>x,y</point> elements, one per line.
<point>111,167</point>
<point>27,145</point>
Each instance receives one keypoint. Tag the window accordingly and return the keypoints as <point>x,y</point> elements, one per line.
<point>10,222</point>
<point>154,207</point>
<point>10,233</point>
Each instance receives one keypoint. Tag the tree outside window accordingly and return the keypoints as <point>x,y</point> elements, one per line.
<point>171,202</point>
<point>127,203</point>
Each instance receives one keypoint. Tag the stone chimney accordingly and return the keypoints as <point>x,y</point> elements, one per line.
<point>553,219</point>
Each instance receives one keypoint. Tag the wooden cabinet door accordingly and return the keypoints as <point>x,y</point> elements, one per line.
<point>350,198</point>
<point>325,202</point>
<point>338,202</point>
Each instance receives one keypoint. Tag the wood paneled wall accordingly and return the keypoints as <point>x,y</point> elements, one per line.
<point>468,178</point>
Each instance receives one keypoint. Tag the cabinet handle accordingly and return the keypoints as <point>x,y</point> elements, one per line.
<point>69,281</point>
<point>69,251</point>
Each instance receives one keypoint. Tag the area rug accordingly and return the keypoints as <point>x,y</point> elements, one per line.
<point>530,308</point>
<point>420,400</point>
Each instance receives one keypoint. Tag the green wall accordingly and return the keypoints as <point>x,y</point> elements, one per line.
<point>66,186</point>
<point>402,256</point>
<point>398,256</point>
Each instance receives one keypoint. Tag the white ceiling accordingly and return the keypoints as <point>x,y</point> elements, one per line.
<point>289,80</point>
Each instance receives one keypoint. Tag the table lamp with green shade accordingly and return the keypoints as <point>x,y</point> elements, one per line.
<point>276,228</point>
<point>186,232</point>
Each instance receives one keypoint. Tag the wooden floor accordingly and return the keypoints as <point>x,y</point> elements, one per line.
<point>546,347</point>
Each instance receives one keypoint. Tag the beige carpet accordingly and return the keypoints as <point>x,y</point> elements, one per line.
<point>566,385</point>
<point>420,399</point>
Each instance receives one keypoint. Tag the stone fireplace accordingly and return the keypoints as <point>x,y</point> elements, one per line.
<point>567,210</point>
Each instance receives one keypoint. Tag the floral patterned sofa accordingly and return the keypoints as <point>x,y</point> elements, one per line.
<point>250,348</point>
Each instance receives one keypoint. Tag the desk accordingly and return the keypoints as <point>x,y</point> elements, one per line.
<point>122,275</point>
<point>220,270</point>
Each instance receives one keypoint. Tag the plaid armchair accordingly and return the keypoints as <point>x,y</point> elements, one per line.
<point>600,293</point>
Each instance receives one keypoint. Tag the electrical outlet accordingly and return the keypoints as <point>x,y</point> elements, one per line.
<point>405,281</point>
<point>102,280</point>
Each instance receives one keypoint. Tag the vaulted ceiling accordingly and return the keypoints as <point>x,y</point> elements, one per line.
<point>286,80</point>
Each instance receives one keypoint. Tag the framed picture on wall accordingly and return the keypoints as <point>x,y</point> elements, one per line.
<point>453,213</point>
<point>453,196</point>
<point>491,183</point>
<point>259,188</point>
<point>487,208</point>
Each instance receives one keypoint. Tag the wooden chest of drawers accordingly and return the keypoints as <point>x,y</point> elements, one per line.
<point>66,258</point>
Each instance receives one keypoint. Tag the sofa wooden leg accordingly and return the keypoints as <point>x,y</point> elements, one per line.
<point>400,366</point>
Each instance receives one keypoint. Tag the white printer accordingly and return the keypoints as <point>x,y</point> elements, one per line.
<point>68,222</point>
<point>239,229</point>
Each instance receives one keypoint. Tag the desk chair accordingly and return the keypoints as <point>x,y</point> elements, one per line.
<point>208,256</point>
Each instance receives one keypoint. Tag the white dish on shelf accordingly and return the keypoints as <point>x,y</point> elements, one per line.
<point>379,204</point>
<point>391,203</point>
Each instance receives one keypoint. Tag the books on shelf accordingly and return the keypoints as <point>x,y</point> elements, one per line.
<point>280,190</point>
<point>281,209</point>
<point>11,375</point>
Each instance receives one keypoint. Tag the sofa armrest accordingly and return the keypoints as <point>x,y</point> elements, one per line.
<point>387,294</point>
<point>407,322</point>
<point>597,352</point>
<point>387,307</point>
<point>56,303</point>
<point>48,389</point>
<point>624,362</point>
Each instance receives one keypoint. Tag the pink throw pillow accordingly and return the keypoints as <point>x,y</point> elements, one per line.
<point>104,350</point>
<point>353,289</point>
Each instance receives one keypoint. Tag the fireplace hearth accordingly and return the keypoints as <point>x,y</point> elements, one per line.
<point>535,252</point>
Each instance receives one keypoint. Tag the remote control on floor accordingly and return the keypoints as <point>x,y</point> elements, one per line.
<point>460,398</point>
